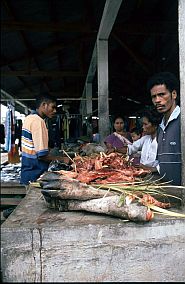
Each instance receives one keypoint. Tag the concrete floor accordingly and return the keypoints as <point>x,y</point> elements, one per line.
<point>39,244</point>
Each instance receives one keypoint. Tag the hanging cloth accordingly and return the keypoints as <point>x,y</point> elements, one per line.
<point>8,130</point>
<point>13,154</point>
<point>2,134</point>
<point>18,131</point>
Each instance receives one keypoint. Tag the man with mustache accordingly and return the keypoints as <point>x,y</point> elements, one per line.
<point>164,91</point>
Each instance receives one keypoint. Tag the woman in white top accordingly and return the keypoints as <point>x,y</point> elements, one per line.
<point>147,144</point>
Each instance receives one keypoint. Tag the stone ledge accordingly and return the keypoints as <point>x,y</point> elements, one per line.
<point>43,245</point>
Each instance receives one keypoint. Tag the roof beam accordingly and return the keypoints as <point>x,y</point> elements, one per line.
<point>26,86</point>
<point>44,51</point>
<point>53,16</point>
<point>44,27</point>
<point>146,28</point>
<point>108,18</point>
<point>58,99</point>
<point>40,73</point>
<point>132,54</point>
<point>25,41</point>
<point>9,97</point>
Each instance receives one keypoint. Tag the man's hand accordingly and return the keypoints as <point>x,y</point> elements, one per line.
<point>152,169</point>
<point>61,158</point>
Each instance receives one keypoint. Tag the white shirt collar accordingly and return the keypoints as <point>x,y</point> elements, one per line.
<point>173,116</point>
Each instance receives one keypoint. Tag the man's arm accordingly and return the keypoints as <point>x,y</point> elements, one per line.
<point>49,158</point>
<point>111,149</point>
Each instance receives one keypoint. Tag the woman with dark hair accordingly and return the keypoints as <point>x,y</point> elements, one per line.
<point>147,144</point>
<point>116,141</point>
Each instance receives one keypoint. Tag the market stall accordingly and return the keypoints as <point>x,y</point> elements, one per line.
<point>40,244</point>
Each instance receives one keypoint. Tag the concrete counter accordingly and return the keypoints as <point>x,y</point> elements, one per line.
<point>39,244</point>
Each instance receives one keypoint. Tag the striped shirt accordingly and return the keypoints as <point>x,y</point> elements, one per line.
<point>34,145</point>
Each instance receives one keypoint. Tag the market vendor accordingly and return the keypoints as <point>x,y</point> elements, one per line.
<point>116,141</point>
<point>164,90</point>
<point>147,144</point>
<point>35,151</point>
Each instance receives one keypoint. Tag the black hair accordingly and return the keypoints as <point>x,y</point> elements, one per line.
<point>167,78</point>
<point>44,97</point>
<point>118,116</point>
<point>136,130</point>
<point>153,116</point>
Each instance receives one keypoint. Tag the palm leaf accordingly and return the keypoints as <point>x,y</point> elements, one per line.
<point>165,211</point>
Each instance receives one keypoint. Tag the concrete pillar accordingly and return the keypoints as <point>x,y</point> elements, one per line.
<point>89,98</point>
<point>182,82</point>
<point>103,93</point>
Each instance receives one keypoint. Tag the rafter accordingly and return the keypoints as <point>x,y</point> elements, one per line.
<point>46,51</point>
<point>53,16</point>
<point>137,58</point>
<point>24,40</point>
<point>27,73</point>
<point>26,86</point>
<point>136,28</point>
<point>14,25</point>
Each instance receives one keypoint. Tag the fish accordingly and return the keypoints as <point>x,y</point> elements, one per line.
<point>73,189</point>
<point>47,176</point>
<point>110,206</point>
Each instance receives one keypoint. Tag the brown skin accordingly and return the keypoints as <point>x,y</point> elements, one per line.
<point>149,129</point>
<point>163,100</point>
<point>135,136</point>
<point>119,128</point>
<point>48,109</point>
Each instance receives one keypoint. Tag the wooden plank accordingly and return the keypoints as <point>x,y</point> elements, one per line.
<point>11,184</point>
<point>13,190</point>
<point>10,201</point>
